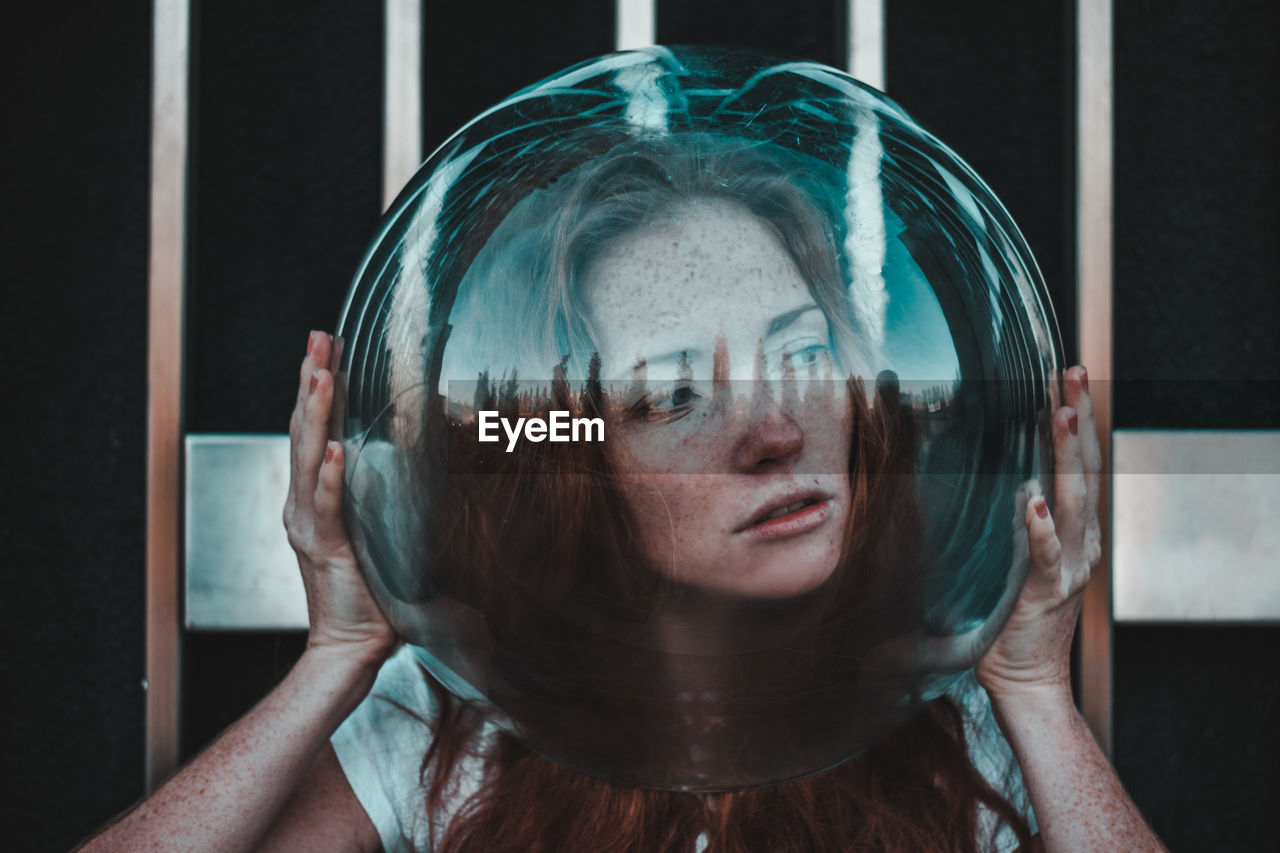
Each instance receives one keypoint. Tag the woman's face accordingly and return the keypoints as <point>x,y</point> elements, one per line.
<point>734,450</point>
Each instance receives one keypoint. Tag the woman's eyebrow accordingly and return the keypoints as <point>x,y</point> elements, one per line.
<point>691,353</point>
<point>782,321</point>
<point>776,325</point>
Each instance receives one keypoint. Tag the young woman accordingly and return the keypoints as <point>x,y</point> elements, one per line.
<point>736,472</point>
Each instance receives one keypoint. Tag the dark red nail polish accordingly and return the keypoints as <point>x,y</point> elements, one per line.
<point>1084,378</point>
<point>1042,509</point>
<point>1071,424</point>
<point>328,452</point>
<point>315,380</point>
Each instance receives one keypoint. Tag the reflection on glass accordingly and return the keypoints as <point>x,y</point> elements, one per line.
<point>689,403</point>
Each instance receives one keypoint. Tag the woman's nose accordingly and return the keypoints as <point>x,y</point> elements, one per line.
<point>770,438</point>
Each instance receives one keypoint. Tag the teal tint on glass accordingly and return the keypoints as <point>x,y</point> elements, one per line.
<point>691,402</point>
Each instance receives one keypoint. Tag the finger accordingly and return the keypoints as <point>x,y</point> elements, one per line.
<point>1027,492</point>
<point>1091,455</point>
<point>1043,543</point>
<point>316,342</point>
<point>295,428</point>
<point>318,346</point>
<point>1069,487</point>
<point>309,447</point>
<point>1079,398</point>
<point>328,496</point>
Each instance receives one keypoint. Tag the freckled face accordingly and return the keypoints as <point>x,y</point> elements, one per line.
<point>734,450</point>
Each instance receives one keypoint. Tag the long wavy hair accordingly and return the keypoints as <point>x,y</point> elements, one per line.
<point>542,545</point>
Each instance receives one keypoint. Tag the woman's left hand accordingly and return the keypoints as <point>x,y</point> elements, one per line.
<point>1032,654</point>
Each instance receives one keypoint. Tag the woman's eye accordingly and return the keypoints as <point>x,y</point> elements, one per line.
<point>683,396</point>
<point>807,356</point>
<point>665,406</point>
<point>674,403</point>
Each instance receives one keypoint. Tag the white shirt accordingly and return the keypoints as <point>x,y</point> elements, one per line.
<point>380,748</point>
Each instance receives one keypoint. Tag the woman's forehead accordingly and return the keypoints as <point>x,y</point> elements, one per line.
<point>717,270</point>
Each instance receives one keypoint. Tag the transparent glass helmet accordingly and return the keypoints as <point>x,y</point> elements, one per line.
<point>690,400</point>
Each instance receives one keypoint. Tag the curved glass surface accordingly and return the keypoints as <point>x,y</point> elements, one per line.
<point>690,400</point>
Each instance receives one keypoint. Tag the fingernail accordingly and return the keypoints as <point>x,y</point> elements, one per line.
<point>315,379</point>
<point>311,341</point>
<point>1084,378</point>
<point>1042,509</point>
<point>329,450</point>
<point>1071,423</point>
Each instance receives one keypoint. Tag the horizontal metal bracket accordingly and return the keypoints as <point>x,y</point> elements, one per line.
<point>1195,532</point>
<point>241,574</point>
<point>1195,521</point>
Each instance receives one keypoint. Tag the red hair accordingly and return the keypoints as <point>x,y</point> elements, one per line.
<point>913,790</point>
<point>916,790</point>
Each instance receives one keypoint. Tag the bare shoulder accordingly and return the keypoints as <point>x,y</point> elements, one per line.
<point>324,815</point>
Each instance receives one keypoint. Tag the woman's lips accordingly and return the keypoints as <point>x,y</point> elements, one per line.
<point>793,523</point>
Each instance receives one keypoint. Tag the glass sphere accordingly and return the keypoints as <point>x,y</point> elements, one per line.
<point>691,403</point>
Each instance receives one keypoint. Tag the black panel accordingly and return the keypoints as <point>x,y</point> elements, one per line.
<point>1197,263</point>
<point>994,82</point>
<point>479,53</point>
<point>286,193</point>
<point>1196,740</point>
<point>810,29</point>
<point>76,199</point>
<point>226,674</point>
<point>1197,306</point>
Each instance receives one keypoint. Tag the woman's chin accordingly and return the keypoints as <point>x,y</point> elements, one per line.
<point>788,584</point>
<point>774,580</point>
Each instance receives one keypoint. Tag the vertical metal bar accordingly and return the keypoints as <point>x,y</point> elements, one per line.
<point>402,96</point>
<point>169,108</point>
<point>865,40</point>
<point>635,23</point>
<point>1094,87</point>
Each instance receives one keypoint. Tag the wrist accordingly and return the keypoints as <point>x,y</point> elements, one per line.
<point>1041,700</point>
<point>346,671</point>
<point>342,651</point>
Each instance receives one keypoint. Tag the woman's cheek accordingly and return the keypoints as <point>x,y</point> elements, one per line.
<point>665,449</point>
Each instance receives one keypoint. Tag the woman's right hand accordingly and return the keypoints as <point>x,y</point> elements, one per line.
<point>344,618</point>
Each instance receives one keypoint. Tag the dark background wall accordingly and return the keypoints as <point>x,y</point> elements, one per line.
<point>285,190</point>
<point>1197,310</point>
<point>77,117</point>
<point>1197,214</point>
